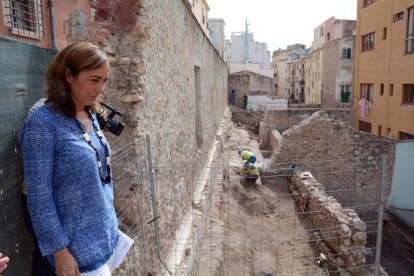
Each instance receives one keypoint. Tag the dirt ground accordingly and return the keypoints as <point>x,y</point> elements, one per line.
<point>255,230</point>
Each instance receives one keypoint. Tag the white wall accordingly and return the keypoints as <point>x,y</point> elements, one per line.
<point>256,51</point>
<point>263,103</point>
<point>216,27</point>
<point>402,190</point>
<point>251,67</point>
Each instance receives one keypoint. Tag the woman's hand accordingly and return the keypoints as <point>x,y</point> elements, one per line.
<point>66,264</point>
<point>3,262</point>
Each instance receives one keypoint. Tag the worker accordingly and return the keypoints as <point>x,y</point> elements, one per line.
<point>247,156</point>
<point>251,173</point>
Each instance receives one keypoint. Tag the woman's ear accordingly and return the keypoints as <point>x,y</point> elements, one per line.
<point>68,75</point>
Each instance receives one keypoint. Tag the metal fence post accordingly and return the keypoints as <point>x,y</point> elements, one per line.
<point>380,216</point>
<point>154,205</point>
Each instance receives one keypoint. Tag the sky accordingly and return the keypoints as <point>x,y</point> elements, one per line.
<point>279,23</point>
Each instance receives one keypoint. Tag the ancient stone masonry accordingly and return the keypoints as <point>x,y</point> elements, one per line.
<point>341,234</point>
<point>342,158</point>
<point>240,82</point>
<point>176,93</point>
<point>282,119</point>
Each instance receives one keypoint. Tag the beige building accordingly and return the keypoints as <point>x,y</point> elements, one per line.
<point>307,78</point>
<point>384,68</point>
<point>296,79</point>
<point>200,10</point>
<point>331,63</point>
<point>280,72</point>
<point>315,80</point>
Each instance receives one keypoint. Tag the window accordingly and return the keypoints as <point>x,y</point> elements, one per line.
<point>368,42</point>
<point>328,36</point>
<point>346,53</point>
<point>379,131</point>
<point>345,93</point>
<point>368,2</point>
<point>367,91</point>
<point>406,136</point>
<point>388,132</point>
<point>408,94</point>
<point>384,33</point>
<point>321,31</point>
<point>391,89</point>
<point>398,16</point>
<point>364,126</point>
<point>410,31</point>
<point>24,17</point>
<point>382,89</point>
<point>345,88</point>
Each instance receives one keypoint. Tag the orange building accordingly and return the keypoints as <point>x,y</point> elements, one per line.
<point>384,68</point>
<point>29,20</point>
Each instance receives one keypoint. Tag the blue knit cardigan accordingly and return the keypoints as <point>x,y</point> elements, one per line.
<point>68,204</point>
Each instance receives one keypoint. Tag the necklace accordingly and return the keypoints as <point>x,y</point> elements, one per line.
<point>105,179</point>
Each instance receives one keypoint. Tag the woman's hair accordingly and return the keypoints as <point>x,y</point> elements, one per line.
<point>75,58</point>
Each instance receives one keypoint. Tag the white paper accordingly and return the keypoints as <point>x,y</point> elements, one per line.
<point>120,251</point>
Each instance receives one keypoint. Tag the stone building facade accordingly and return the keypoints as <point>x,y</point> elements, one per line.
<point>176,93</point>
<point>249,83</point>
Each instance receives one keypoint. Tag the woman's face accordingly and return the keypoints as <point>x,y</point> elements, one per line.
<point>87,86</point>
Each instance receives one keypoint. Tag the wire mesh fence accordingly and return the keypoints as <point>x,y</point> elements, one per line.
<point>211,223</point>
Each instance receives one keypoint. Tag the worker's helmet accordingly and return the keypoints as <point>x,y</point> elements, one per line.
<point>246,163</point>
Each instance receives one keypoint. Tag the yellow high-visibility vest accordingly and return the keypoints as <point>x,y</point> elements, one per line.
<point>246,154</point>
<point>253,171</point>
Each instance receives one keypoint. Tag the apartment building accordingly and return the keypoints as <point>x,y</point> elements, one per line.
<point>384,80</point>
<point>296,73</point>
<point>331,63</point>
<point>216,27</point>
<point>280,72</point>
<point>29,20</point>
<point>200,10</point>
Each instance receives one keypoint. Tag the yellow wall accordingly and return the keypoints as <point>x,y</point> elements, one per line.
<point>386,64</point>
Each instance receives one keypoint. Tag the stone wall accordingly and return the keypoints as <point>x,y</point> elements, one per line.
<point>250,120</point>
<point>340,234</point>
<point>347,162</point>
<point>171,84</point>
<point>274,139</point>
<point>283,119</point>
<point>249,83</point>
<point>260,83</point>
<point>240,82</point>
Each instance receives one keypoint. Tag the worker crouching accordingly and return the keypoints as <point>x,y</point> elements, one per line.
<point>250,173</point>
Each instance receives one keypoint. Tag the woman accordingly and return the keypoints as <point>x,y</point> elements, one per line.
<point>67,166</point>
